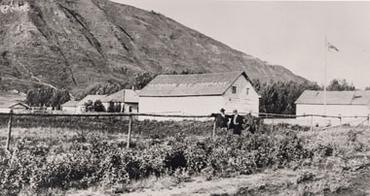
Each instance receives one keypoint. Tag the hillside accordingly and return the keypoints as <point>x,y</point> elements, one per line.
<point>78,44</point>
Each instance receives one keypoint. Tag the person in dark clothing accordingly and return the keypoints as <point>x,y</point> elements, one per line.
<point>250,123</point>
<point>236,123</point>
<point>221,119</point>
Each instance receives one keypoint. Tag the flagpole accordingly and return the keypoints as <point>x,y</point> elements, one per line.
<point>325,72</point>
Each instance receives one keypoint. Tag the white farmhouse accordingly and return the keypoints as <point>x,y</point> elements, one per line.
<point>199,94</point>
<point>338,103</point>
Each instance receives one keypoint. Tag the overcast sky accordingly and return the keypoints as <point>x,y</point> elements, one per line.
<point>287,33</point>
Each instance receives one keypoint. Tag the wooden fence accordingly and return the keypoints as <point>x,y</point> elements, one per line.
<point>131,116</point>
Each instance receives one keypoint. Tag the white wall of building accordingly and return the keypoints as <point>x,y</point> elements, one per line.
<point>245,100</point>
<point>71,110</point>
<point>4,110</point>
<point>15,110</point>
<point>194,105</point>
<point>334,110</point>
<point>331,110</point>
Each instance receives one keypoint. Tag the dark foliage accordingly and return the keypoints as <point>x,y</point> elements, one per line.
<point>279,97</point>
<point>340,85</point>
<point>46,96</point>
<point>103,88</point>
<point>98,106</point>
<point>142,79</point>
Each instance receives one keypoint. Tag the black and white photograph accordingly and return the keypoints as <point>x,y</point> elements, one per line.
<point>184,97</point>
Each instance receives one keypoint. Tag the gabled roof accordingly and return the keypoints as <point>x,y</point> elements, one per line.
<point>19,104</point>
<point>132,96</point>
<point>335,98</point>
<point>93,98</point>
<point>70,104</point>
<point>124,96</point>
<point>191,84</point>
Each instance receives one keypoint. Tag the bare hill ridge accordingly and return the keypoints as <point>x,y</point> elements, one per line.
<point>76,44</point>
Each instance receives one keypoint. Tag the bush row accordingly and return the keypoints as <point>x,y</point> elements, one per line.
<point>41,165</point>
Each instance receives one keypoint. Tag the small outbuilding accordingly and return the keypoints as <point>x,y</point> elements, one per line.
<point>71,107</point>
<point>342,107</point>
<point>344,103</point>
<point>13,101</point>
<point>199,94</point>
<point>125,101</point>
<point>81,107</point>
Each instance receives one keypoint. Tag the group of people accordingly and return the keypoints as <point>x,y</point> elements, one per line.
<point>235,122</point>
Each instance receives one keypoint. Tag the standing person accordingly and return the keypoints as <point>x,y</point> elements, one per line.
<point>221,119</point>
<point>251,123</point>
<point>236,123</point>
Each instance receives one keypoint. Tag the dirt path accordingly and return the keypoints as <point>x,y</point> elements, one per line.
<point>199,186</point>
<point>280,183</point>
<point>271,181</point>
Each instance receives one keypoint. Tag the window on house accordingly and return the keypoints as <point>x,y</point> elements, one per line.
<point>247,91</point>
<point>233,89</point>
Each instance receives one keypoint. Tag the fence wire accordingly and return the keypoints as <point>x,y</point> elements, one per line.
<point>130,126</point>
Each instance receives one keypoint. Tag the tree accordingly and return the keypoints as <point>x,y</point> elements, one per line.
<point>46,96</point>
<point>280,97</point>
<point>59,97</point>
<point>142,79</point>
<point>98,106</point>
<point>340,85</point>
<point>39,97</point>
<point>103,88</point>
<point>89,106</point>
<point>111,107</point>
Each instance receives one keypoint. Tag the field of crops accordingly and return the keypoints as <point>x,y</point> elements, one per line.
<point>50,161</point>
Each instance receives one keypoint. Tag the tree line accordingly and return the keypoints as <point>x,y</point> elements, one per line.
<point>47,97</point>
<point>280,97</point>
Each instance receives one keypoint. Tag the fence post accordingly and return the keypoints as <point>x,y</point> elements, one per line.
<point>129,132</point>
<point>10,123</point>
<point>273,122</point>
<point>368,121</point>
<point>214,130</point>
<point>311,122</point>
<point>340,120</point>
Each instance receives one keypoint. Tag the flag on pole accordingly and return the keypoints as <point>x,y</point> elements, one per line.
<point>331,47</point>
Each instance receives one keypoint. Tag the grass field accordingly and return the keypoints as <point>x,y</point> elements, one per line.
<point>63,161</point>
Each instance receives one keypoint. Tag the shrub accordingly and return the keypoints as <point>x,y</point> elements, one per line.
<point>94,160</point>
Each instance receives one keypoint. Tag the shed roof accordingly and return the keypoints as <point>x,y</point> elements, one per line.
<point>125,96</point>
<point>132,96</point>
<point>191,84</point>
<point>335,98</point>
<point>20,105</point>
<point>92,98</point>
<point>8,99</point>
